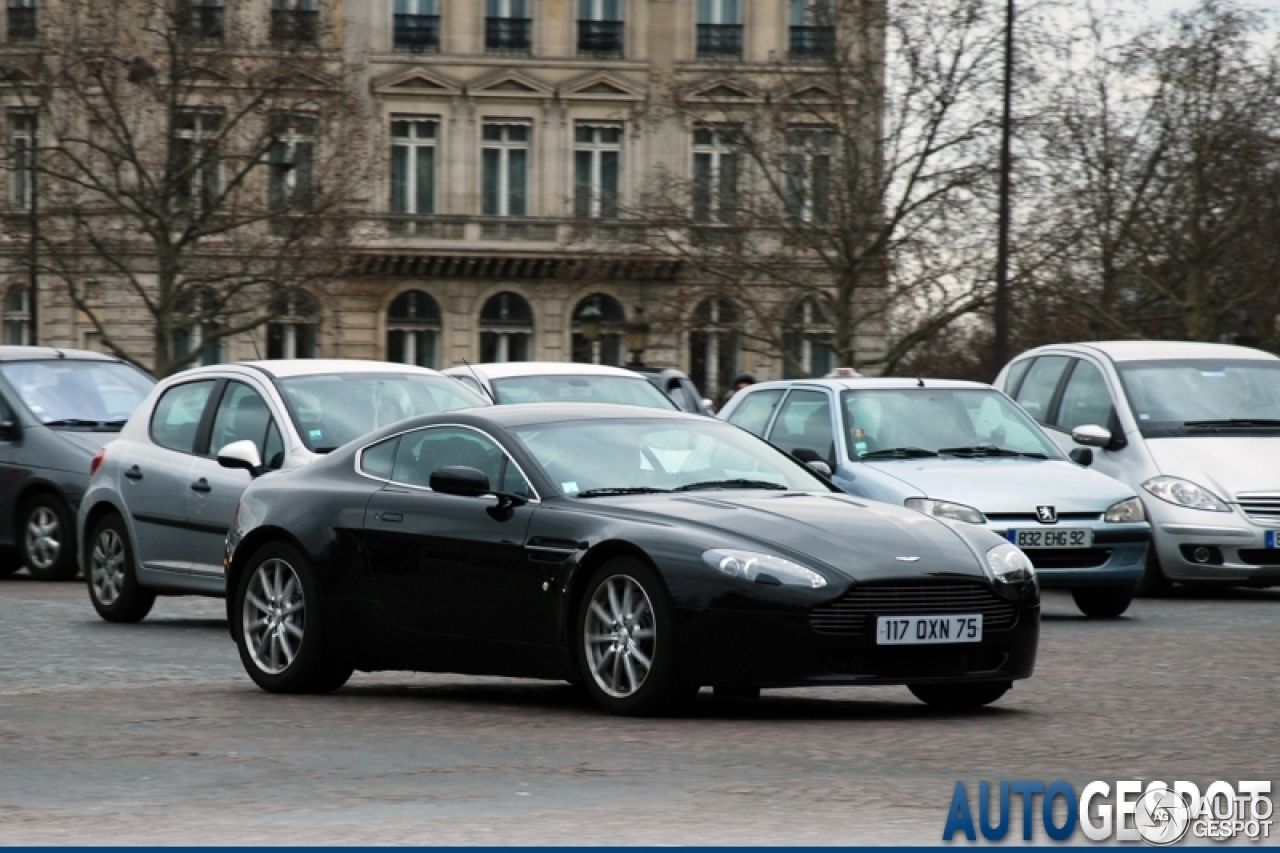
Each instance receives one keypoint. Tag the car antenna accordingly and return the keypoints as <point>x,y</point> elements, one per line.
<point>483,387</point>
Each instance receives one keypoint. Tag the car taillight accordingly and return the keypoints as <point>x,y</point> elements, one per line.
<point>96,462</point>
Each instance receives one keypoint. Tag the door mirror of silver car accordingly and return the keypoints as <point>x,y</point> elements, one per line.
<point>10,431</point>
<point>241,454</point>
<point>1091,435</point>
<point>820,467</point>
<point>1082,456</point>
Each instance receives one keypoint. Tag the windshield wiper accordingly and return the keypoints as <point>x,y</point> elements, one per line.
<point>620,490</point>
<point>1243,423</point>
<point>732,484</point>
<point>81,422</point>
<point>988,450</point>
<point>898,453</point>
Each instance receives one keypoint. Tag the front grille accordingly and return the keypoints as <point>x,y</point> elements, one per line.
<point>1031,516</point>
<point>1263,508</point>
<point>1068,558</point>
<point>854,614</point>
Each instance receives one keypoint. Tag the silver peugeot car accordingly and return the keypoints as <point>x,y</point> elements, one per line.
<point>965,452</point>
<point>1194,428</point>
<point>154,519</point>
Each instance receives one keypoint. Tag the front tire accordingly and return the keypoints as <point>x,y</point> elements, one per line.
<point>47,539</point>
<point>959,697</point>
<point>279,627</point>
<point>1103,602</point>
<point>113,584</point>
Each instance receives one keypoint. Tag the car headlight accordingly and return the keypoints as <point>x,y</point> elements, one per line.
<point>1181,492</point>
<point>1125,511</point>
<point>1009,564</point>
<point>748,566</point>
<point>946,509</point>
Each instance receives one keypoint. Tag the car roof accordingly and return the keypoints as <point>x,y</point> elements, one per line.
<point>287,367</point>
<point>1121,351</point>
<point>508,369</point>
<point>12,353</point>
<point>527,414</point>
<point>862,383</point>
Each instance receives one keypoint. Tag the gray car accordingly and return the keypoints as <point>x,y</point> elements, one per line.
<point>1193,428</point>
<point>560,382</point>
<point>159,504</point>
<point>962,451</point>
<point>57,408</point>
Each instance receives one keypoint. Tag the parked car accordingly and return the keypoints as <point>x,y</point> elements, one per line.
<point>57,408</point>
<point>1194,428</point>
<point>963,451</point>
<point>679,387</point>
<point>640,553</point>
<point>155,517</point>
<point>559,382</point>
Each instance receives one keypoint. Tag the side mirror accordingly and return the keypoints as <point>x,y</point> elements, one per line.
<point>10,430</point>
<point>813,459</point>
<point>1082,456</point>
<point>820,467</point>
<point>460,480</point>
<point>241,454</point>
<point>1091,435</point>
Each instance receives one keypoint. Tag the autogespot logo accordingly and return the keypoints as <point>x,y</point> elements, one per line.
<point>1156,813</point>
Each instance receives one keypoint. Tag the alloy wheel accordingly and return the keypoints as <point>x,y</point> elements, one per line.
<point>274,616</point>
<point>106,567</point>
<point>44,538</point>
<point>620,636</point>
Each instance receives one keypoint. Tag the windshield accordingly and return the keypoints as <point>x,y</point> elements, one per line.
<point>331,409</point>
<point>911,422</point>
<point>593,458</point>
<point>79,394</point>
<point>626,390</point>
<point>1178,398</point>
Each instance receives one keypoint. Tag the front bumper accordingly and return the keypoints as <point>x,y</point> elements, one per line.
<point>1219,549</point>
<point>1117,558</point>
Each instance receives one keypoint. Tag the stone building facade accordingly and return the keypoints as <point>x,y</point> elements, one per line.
<point>508,135</point>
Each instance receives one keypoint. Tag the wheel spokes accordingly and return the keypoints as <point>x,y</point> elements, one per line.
<point>620,636</point>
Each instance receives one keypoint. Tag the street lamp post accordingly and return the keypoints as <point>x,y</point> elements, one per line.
<point>33,245</point>
<point>589,324</point>
<point>637,338</point>
<point>1000,346</point>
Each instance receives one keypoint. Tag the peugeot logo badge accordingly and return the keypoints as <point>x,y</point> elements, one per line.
<point>1046,514</point>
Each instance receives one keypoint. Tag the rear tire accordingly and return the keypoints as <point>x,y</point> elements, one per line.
<point>959,697</point>
<point>1153,583</point>
<point>47,539</point>
<point>1103,602</point>
<point>112,580</point>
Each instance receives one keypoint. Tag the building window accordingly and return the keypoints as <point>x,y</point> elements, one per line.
<point>597,157</point>
<point>507,26</point>
<point>22,144</point>
<point>197,174</point>
<point>292,161</point>
<point>196,327</point>
<point>199,19</point>
<point>600,28</point>
<point>808,172</point>
<point>417,25</point>
<point>294,20</point>
<point>22,20</point>
<point>413,329</point>
<point>413,165</point>
<point>17,317</point>
<point>813,32</point>
<point>506,169</point>
<point>599,331</point>
<point>295,331</point>
<point>720,29</point>
<point>808,339</point>
<point>715,173</point>
<point>506,328</point>
<point>714,348</point>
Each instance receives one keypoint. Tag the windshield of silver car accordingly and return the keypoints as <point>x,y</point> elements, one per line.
<point>597,458</point>
<point>1198,397</point>
<point>907,423</point>
<point>87,395</point>
<point>331,409</point>
<point>626,390</point>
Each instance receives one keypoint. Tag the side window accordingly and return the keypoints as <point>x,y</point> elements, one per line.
<point>1086,399</point>
<point>243,416</point>
<point>428,450</point>
<point>1014,377</point>
<point>379,460</point>
<point>753,413</point>
<point>273,456</point>
<point>6,412</point>
<point>805,423</point>
<point>1036,393</point>
<point>176,419</point>
<point>472,384</point>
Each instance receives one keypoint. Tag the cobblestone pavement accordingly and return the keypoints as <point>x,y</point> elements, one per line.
<point>153,734</point>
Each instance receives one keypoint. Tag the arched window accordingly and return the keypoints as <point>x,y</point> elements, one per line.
<point>195,327</point>
<point>295,331</point>
<point>808,339</point>
<point>714,347</point>
<point>599,333</point>
<point>17,317</point>
<point>506,328</point>
<point>413,329</point>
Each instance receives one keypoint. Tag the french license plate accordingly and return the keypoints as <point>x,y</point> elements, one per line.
<point>924,630</point>
<point>1271,540</point>
<point>1057,537</point>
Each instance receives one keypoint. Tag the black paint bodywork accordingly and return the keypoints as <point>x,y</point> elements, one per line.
<point>455,586</point>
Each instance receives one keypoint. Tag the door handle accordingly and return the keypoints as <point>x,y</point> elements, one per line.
<point>134,473</point>
<point>390,516</point>
<point>201,485</point>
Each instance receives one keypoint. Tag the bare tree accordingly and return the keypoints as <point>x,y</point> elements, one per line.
<point>180,159</point>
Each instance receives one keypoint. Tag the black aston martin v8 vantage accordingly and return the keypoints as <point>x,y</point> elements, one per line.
<point>642,554</point>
